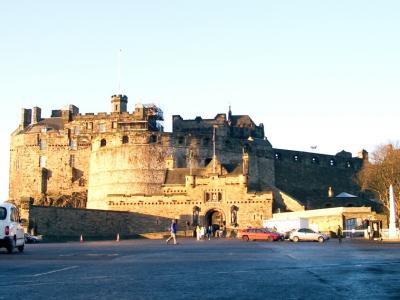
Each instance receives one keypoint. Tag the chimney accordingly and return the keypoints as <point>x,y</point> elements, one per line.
<point>26,116</point>
<point>37,115</point>
<point>363,154</point>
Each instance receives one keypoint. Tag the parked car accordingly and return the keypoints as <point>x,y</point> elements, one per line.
<point>258,234</point>
<point>306,234</point>
<point>32,239</point>
<point>11,231</point>
<point>286,235</point>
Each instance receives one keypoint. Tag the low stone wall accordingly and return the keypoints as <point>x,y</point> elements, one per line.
<point>64,224</point>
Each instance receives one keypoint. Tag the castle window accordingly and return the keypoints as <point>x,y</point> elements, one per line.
<point>278,156</point>
<point>102,127</point>
<point>195,218</point>
<point>219,196</point>
<point>234,210</point>
<point>72,161</point>
<point>181,140</point>
<point>42,161</point>
<point>314,160</point>
<point>296,157</point>
<point>153,139</point>
<point>332,162</point>
<point>89,125</point>
<point>76,130</point>
<point>114,125</point>
<point>207,196</point>
<point>125,139</point>
<point>103,143</point>
<point>72,145</point>
<point>42,145</point>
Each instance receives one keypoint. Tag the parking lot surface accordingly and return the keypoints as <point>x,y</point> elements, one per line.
<point>216,269</point>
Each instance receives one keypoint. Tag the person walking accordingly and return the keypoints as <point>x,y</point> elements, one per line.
<point>339,233</point>
<point>198,232</point>
<point>209,232</point>
<point>173,232</point>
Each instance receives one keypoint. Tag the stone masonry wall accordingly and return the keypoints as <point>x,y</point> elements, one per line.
<point>56,223</point>
<point>308,176</point>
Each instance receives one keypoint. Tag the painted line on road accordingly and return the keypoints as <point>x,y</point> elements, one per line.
<point>55,271</point>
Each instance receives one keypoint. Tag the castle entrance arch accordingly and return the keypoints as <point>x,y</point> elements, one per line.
<point>215,218</point>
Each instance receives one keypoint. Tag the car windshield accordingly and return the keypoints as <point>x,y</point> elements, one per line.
<point>3,213</point>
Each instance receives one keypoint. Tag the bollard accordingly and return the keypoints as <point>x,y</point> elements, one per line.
<point>81,239</point>
<point>117,240</point>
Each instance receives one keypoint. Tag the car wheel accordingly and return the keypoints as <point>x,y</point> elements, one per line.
<point>10,247</point>
<point>321,239</point>
<point>270,239</point>
<point>21,248</point>
<point>245,238</point>
<point>295,239</point>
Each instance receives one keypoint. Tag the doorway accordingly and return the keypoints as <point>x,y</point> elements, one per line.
<point>215,218</point>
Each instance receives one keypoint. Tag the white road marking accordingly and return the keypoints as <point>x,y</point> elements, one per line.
<point>54,271</point>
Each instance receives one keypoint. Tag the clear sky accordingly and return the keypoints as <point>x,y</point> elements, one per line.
<point>323,73</point>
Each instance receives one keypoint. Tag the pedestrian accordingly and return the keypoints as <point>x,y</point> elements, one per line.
<point>173,232</point>
<point>198,232</point>
<point>209,232</point>
<point>339,233</point>
<point>202,232</point>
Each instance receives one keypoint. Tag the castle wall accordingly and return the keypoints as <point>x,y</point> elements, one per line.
<point>137,167</point>
<point>56,223</point>
<point>43,165</point>
<point>179,201</point>
<point>306,179</point>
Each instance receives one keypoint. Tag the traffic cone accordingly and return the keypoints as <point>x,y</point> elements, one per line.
<point>81,239</point>
<point>117,240</point>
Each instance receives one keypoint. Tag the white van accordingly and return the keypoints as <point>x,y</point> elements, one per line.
<point>11,231</point>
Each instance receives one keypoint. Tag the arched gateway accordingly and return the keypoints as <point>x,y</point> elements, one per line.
<point>215,217</point>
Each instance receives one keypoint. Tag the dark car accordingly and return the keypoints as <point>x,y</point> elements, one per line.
<point>32,239</point>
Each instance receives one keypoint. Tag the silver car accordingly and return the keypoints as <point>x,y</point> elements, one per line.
<point>305,234</point>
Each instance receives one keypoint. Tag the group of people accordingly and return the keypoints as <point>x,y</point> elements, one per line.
<point>201,232</point>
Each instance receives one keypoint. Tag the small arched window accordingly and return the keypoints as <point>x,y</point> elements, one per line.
<point>296,158</point>
<point>348,164</point>
<point>315,160</point>
<point>125,139</point>
<point>332,162</point>
<point>153,139</point>
<point>103,143</point>
<point>195,217</point>
<point>278,156</point>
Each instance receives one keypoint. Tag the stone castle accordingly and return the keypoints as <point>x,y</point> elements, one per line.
<point>220,171</point>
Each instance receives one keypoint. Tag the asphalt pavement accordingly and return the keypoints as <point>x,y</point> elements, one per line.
<point>216,269</point>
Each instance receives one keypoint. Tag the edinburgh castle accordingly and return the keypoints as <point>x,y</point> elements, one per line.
<point>221,170</point>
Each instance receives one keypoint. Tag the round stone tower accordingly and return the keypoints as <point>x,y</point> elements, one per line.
<point>126,164</point>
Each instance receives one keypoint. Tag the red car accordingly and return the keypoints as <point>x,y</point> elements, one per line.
<point>258,234</point>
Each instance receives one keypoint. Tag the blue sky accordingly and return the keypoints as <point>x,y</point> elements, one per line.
<point>322,73</point>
